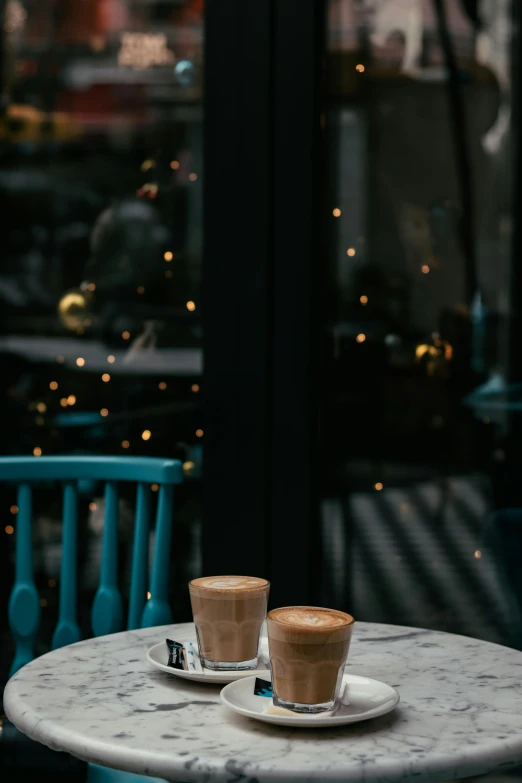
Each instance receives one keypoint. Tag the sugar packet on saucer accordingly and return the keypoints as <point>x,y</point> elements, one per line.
<point>183,655</point>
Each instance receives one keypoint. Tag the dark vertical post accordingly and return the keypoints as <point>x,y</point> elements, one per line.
<point>235,289</point>
<point>297,208</point>
<point>514,338</point>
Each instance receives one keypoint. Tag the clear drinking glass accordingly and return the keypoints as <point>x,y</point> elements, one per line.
<point>228,614</point>
<point>308,651</point>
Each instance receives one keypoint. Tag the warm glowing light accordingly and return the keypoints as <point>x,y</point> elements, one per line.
<point>154,487</point>
<point>378,486</point>
<point>111,359</point>
<point>125,444</point>
<point>37,451</point>
<point>52,582</point>
<point>71,308</point>
<point>145,435</point>
<point>80,362</point>
<point>14,509</point>
<point>361,338</point>
<point>147,164</point>
<point>53,385</point>
<point>195,387</point>
<point>92,506</point>
<point>60,359</point>
<point>71,399</point>
<point>148,596</point>
<point>106,377</point>
<point>174,164</point>
<point>425,269</point>
<point>168,273</point>
<point>140,289</point>
<point>9,529</point>
<point>363,299</point>
<point>125,335</point>
<point>360,67</point>
<point>104,412</point>
<point>478,554</point>
<point>91,287</point>
<point>423,348</point>
<point>168,256</point>
<point>162,385</point>
<point>188,467</point>
<point>41,407</point>
<point>144,50</point>
<point>63,402</point>
<point>193,177</point>
<point>191,306</point>
<point>350,252</point>
<point>199,433</point>
<point>336,212</point>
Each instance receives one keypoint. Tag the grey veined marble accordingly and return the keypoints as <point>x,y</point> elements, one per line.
<point>460,713</point>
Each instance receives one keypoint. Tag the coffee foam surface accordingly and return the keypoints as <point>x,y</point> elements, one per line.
<point>229,582</point>
<point>309,617</point>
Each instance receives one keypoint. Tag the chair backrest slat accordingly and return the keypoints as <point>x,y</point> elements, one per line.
<point>67,631</point>
<point>139,557</point>
<point>107,609</point>
<point>157,609</point>
<point>24,604</point>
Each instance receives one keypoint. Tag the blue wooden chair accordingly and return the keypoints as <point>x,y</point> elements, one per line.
<point>107,609</point>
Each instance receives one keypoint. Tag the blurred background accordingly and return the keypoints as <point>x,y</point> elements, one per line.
<point>322,200</point>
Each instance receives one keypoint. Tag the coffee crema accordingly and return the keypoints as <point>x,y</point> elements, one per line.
<point>310,617</point>
<point>229,584</point>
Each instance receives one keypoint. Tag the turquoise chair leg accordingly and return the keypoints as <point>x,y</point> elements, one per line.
<point>98,774</point>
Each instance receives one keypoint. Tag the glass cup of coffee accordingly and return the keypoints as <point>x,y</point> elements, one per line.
<point>228,614</point>
<point>308,650</point>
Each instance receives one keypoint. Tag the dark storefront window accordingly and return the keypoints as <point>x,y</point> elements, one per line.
<point>418,420</point>
<point>100,183</point>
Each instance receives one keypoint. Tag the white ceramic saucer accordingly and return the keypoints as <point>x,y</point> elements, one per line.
<point>362,699</point>
<point>158,656</point>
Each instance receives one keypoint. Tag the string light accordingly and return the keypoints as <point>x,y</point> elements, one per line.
<point>14,509</point>
<point>350,252</point>
<point>199,433</point>
<point>478,554</point>
<point>106,377</point>
<point>154,487</point>
<point>125,335</point>
<point>336,212</point>
<point>71,399</point>
<point>193,177</point>
<point>378,486</point>
<point>174,164</point>
<point>363,299</point>
<point>195,387</point>
<point>80,362</point>
<point>91,287</point>
<point>9,529</point>
<point>111,359</point>
<point>125,444</point>
<point>149,595</point>
<point>145,435</point>
<point>425,269</point>
<point>37,451</point>
<point>104,412</point>
<point>53,385</point>
<point>41,407</point>
<point>188,467</point>
<point>92,506</point>
<point>63,402</point>
<point>147,164</point>
<point>361,338</point>
<point>360,67</point>
<point>162,385</point>
<point>191,306</point>
<point>168,256</point>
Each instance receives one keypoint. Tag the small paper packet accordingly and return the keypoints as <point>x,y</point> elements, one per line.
<point>183,655</point>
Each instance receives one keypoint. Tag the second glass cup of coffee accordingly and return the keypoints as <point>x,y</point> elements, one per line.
<point>228,614</point>
<point>308,650</point>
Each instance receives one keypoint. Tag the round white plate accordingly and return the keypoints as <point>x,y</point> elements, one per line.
<point>362,699</point>
<point>158,656</point>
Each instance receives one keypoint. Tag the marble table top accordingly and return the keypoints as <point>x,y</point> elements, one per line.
<point>460,713</point>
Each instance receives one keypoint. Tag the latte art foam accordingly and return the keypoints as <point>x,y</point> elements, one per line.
<point>311,617</point>
<point>229,583</point>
